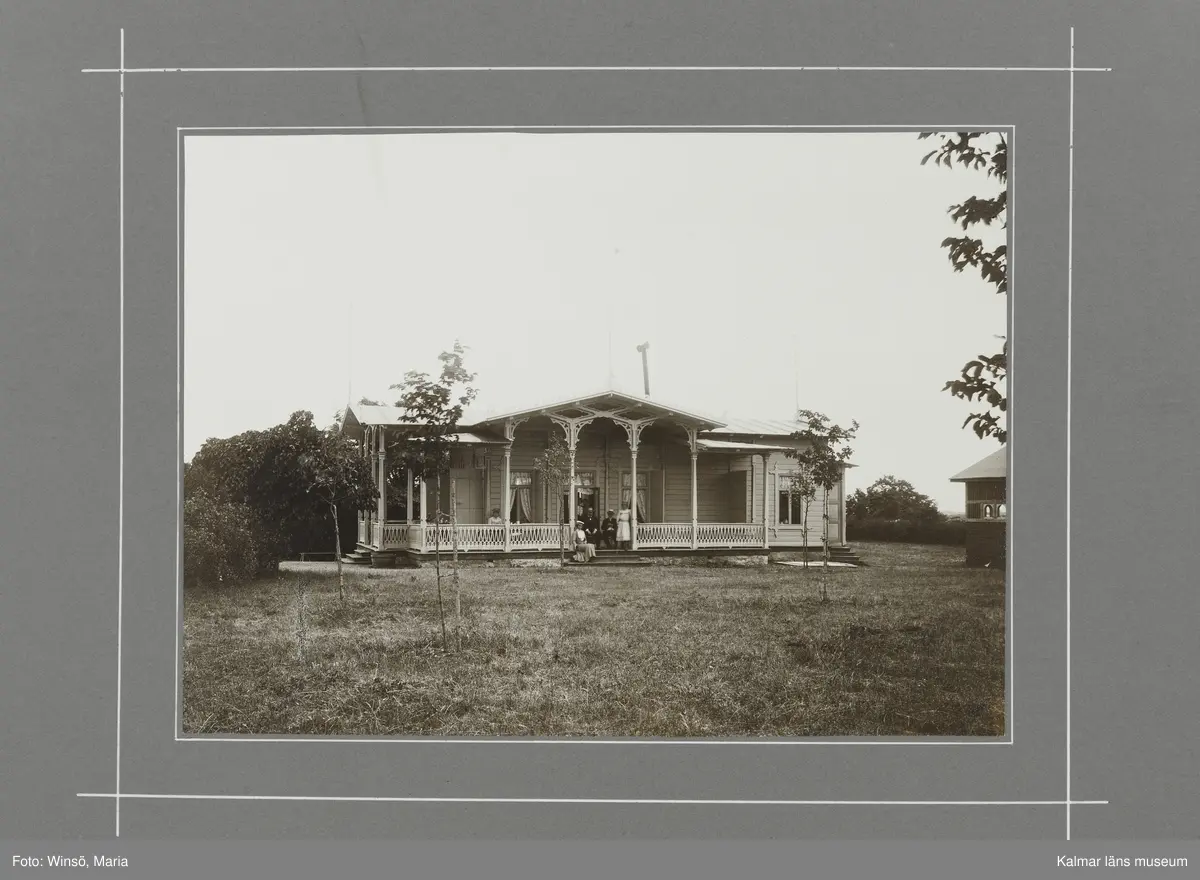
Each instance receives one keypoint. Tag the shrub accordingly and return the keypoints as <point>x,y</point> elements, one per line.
<point>222,542</point>
<point>951,533</point>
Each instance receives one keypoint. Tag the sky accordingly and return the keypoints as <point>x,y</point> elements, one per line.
<point>765,270</point>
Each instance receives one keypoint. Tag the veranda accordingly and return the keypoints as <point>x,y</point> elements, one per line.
<point>700,484</point>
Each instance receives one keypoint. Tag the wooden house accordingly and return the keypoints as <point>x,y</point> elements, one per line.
<point>987,510</point>
<point>692,482</point>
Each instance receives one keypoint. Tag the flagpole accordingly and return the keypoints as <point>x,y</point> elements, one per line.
<point>796,372</point>
<point>610,361</point>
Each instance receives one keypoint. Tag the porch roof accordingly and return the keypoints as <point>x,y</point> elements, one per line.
<point>609,404</point>
<point>993,467</point>
<point>758,427</point>
<point>471,438</point>
<point>709,445</point>
<point>371,415</point>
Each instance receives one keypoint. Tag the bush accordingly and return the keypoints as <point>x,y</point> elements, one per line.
<point>951,533</point>
<point>223,543</point>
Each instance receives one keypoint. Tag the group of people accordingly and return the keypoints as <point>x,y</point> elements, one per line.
<point>613,532</point>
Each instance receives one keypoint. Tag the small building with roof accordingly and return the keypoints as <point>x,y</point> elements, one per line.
<point>987,509</point>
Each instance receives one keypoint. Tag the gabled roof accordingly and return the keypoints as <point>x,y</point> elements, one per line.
<point>609,402</point>
<point>369,414</point>
<point>993,467</point>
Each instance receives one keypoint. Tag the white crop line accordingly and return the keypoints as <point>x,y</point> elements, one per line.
<point>120,423</point>
<point>1070,292</point>
<point>648,68</point>
<point>683,126</point>
<point>597,801</point>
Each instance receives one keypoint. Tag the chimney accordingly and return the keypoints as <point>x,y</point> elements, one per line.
<point>645,366</point>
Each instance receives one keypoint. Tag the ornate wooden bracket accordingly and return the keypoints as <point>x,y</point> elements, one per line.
<point>693,443</point>
<point>572,427</point>
<point>510,429</point>
<point>633,430</point>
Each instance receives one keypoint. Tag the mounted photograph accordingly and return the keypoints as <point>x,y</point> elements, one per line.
<point>594,434</point>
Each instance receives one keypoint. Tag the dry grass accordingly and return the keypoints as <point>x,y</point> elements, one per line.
<point>913,645</point>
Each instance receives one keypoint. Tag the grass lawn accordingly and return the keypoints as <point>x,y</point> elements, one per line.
<point>912,645</point>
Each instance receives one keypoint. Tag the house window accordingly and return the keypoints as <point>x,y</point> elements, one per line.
<point>643,484</point>
<point>521,510</point>
<point>791,506</point>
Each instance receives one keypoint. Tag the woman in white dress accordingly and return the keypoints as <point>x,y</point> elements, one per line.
<point>624,531</point>
<point>584,551</point>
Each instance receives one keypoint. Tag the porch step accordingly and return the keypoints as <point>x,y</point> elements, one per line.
<point>840,554</point>
<point>357,557</point>
<point>610,561</point>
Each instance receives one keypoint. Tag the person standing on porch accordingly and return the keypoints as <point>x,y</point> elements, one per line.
<point>494,519</point>
<point>608,531</point>
<point>584,551</point>
<point>624,529</point>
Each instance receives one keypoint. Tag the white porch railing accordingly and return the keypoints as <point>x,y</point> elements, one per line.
<point>653,536</point>
<point>727,535</point>
<point>364,531</point>
<point>393,535</point>
<point>538,536</point>
<point>547,536</point>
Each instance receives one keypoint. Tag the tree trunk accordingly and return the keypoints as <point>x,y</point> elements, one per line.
<point>454,564</point>
<point>825,530</point>
<point>337,541</point>
<point>437,556</point>
<point>804,527</point>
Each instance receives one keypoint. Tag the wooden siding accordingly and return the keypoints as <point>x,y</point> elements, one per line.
<point>986,544</point>
<point>606,454</point>
<point>780,465</point>
<point>729,486</point>
<point>981,494</point>
<point>985,490</point>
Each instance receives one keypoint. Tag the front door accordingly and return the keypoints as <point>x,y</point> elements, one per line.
<point>468,491</point>
<point>586,497</point>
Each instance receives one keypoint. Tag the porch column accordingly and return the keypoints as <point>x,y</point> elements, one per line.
<point>506,495</point>
<point>369,453</point>
<point>842,494</point>
<point>633,430</point>
<point>382,477</point>
<point>424,513</point>
<point>408,499</point>
<point>766,503</point>
<point>487,483</point>
<point>695,507</point>
<point>633,496</point>
<point>571,481</point>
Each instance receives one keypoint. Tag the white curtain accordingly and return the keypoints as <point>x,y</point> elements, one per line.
<point>522,505</point>
<point>643,510</point>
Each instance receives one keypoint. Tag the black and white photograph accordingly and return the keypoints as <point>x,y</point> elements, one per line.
<point>655,434</point>
<point>579,439</point>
